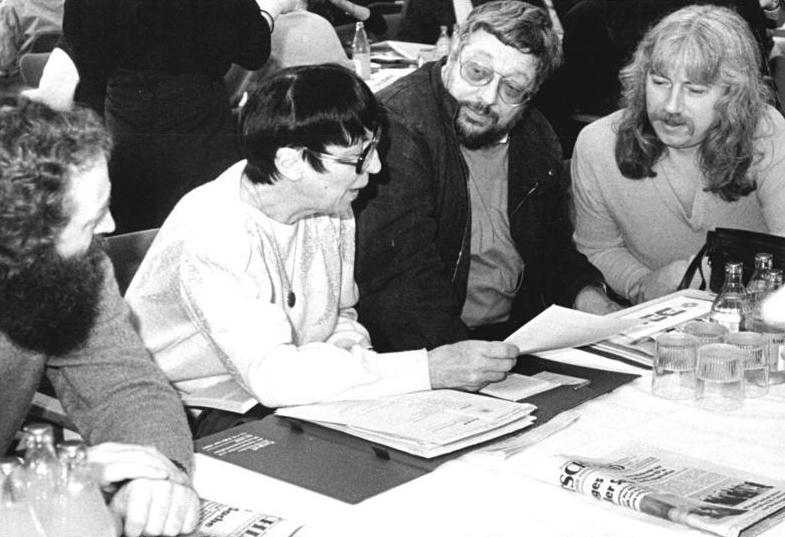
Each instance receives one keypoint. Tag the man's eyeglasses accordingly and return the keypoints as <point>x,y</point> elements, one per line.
<point>479,75</point>
<point>360,164</point>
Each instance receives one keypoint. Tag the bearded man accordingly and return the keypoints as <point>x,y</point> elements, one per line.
<point>466,233</point>
<point>61,315</point>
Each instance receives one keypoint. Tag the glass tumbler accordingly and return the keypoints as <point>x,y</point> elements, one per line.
<point>705,331</point>
<point>756,366</point>
<point>719,377</point>
<point>673,374</point>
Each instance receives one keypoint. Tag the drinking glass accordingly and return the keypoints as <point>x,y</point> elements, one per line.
<point>673,374</point>
<point>756,366</point>
<point>719,377</point>
<point>705,331</point>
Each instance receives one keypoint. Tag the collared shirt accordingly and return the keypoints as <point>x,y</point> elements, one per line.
<point>495,267</point>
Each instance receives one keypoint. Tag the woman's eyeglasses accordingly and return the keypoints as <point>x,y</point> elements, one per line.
<point>360,164</point>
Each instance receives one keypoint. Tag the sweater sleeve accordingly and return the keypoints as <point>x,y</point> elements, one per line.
<point>771,180</point>
<point>253,337</point>
<point>112,389</point>
<point>597,235</point>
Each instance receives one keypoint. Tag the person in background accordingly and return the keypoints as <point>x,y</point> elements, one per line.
<point>160,64</point>
<point>340,12</point>
<point>466,232</point>
<point>423,18</point>
<point>696,146</point>
<point>250,281</point>
<point>61,315</point>
<point>20,22</point>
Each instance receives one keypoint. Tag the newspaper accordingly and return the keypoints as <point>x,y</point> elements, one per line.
<point>221,520</point>
<point>655,317</point>
<point>674,487</point>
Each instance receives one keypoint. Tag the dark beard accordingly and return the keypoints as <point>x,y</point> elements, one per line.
<point>52,305</point>
<point>476,140</point>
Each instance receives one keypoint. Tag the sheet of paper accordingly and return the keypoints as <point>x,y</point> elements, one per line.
<point>558,328</point>
<point>516,387</point>
<point>437,416</point>
<point>562,380</point>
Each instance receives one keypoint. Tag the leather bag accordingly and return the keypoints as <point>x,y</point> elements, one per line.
<point>726,244</point>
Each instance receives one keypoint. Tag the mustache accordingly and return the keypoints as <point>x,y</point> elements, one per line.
<point>478,107</point>
<point>671,118</point>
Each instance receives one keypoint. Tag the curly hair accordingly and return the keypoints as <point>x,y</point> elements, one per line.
<point>714,46</point>
<point>519,25</point>
<point>40,148</point>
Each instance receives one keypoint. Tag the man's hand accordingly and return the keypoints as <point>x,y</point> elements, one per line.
<point>470,365</point>
<point>155,497</point>
<point>153,507</point>
<point>592,299</point>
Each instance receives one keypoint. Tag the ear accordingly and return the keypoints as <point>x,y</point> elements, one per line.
<point>290,163</point>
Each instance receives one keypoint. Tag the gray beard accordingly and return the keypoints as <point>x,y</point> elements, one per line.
<point>51,305</point>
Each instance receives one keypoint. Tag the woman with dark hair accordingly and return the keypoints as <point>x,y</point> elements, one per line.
<point>250,282</point>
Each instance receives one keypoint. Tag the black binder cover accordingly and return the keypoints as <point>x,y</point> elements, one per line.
<point>279,448</point>
<point>557,400</point>
<point>352,469</point>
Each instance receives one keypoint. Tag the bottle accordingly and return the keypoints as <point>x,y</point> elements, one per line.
<point>443,43</point>
<point>16,513</point>
<point>81,510</point>
<point>361,52</point>
<point>774,336</point>
<point>731,307</point>
<point>757,284</point>
<point>42,473</point>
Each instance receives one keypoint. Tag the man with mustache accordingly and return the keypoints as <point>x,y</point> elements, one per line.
<point>466,233</point>
<point>696,146</point>
<point>61,315</point>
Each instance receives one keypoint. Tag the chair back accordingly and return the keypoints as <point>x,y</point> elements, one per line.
<point>45,41</point>
<point>31,66</point>
<point>126,252</point>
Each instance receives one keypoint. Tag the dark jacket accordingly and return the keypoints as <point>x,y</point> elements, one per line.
<point>414,222</point>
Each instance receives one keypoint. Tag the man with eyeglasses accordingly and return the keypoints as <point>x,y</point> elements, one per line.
<point>466,233</point>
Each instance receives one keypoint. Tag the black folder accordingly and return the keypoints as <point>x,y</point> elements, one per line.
<point>352,469</point>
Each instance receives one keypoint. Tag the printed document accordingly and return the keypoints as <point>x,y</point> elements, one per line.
<point>559,328</point>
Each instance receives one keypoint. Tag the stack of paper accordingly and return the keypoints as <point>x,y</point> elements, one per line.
<point>427,424</point>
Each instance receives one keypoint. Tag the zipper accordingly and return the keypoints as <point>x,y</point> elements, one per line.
<point>529,194</point>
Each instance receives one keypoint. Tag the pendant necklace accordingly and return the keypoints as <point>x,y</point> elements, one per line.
<point>291,297</point>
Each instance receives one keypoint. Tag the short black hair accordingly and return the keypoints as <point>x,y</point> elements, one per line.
<point>309,106</point>
<point>39,149</point>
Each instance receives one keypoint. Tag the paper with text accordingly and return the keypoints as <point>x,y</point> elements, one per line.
<point>558,327</point>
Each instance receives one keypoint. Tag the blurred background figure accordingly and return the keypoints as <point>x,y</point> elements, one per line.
<point>21,23</point>
<point>155,69</point>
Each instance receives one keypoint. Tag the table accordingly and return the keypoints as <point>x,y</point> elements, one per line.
<point>477,496</point>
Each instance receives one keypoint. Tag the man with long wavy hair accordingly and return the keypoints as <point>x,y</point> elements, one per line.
<point>696,146</point>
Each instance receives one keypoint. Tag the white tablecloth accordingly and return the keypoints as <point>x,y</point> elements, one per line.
<point>479,496</point>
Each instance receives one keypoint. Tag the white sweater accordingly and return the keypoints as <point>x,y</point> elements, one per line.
<point>210,298</point>
<point>628,228</point>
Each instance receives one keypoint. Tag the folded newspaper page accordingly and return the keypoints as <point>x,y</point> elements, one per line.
<point>221,520</point>
<point>687,491</point>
